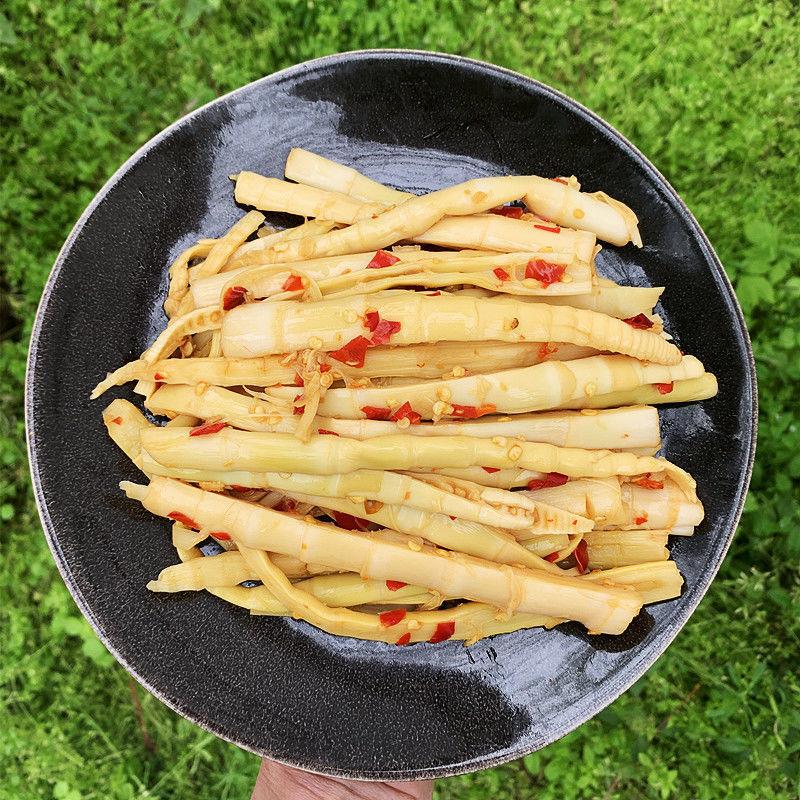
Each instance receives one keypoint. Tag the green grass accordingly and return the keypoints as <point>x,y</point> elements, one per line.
<point>709,91</point>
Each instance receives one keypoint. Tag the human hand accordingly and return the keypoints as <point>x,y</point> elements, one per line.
<point>278,782</point>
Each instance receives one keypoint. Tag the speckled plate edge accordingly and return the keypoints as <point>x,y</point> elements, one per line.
<point>312,65</point>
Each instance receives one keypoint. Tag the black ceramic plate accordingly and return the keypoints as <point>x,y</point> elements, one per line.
<point>418,121</point>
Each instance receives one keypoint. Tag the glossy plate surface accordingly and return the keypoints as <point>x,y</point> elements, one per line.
<point>418,121</point>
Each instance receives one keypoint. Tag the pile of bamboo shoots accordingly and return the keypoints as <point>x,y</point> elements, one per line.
<point>413,418</point>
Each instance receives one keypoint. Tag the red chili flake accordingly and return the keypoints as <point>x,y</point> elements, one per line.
<point>444,630</point>
<point>371,320</point>
<point>550,479</point>
<point>353,352</point>
<point>234,296</point>
<point>582,556</point>
<point>221,535</point>
<point>297,410</point>
<point>324,367</point>
<point>664,388</point>
<point>298,379</point>
<point>157,376</point>
<point>640,321</point>
<point>433,294</point>
<point>116,420</point>
<point>490,470</point>
<point>515,212</point>
<point>404,639</point>
<point>560,180</point>
<point>451,516</point>
<point>640,520</point>
<point>551,228</point>
<point>393,586</point>
<point>545,350</point>
<point>646,482</point>
<point>472,412</point>
<point>294,283</point>
<point>349,522</point>
<point>406,412</point>
<point>501,273</point>
<point>187,522</point>
<point>374,412</point>
<point>211,427</point>
<point>382,259</point>
<point>326,431</point>
<point>552,558</point>
<point>389,618</point>
<point>158,385</point>
<point>285,504</point>
<point>544,271</point>
<point>384,331</point>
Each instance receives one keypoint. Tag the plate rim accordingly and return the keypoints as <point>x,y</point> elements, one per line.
<point>309,66</point>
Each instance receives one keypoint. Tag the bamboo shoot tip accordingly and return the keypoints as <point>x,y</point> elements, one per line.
<point>135,491</point>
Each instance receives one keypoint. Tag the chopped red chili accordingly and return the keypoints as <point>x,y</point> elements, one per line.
<point>298,379</point>
<point>641,519</point>
<point>451,516</point>
<point>393,586</point>
<point>404,639</point>
<point>434,294</point>
<point>158,385</point>
<point>406,412</point>
<point>294,283</point>
<point>515,212</point>
<point>550,480</point>
<point>640,321</point>
<point>490,470</point>
<point>544,271</point>
<point>353,352</point>
<point>582,556</point>
<point>324,367</point>
<point>501,273</point>
<point>374,412</point>
<point>560,180</point>
<point>187,522</point>
<point>389,618</point>
<point>384,331</point>
<point>234,296</point>
<point>444,630</point>
<point>157,376</point>
<point>221,535</point>
<point>472,412</point>
<point>326,431</point>
<point>116,420</point>
<point>552,557</point>
<point>646,482</point>
<point>349,522</point>
<point>211,427</point>
<point>382,259</point>
<point>297,410</point>
<point>550,228</point>
<point>664,388</point>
